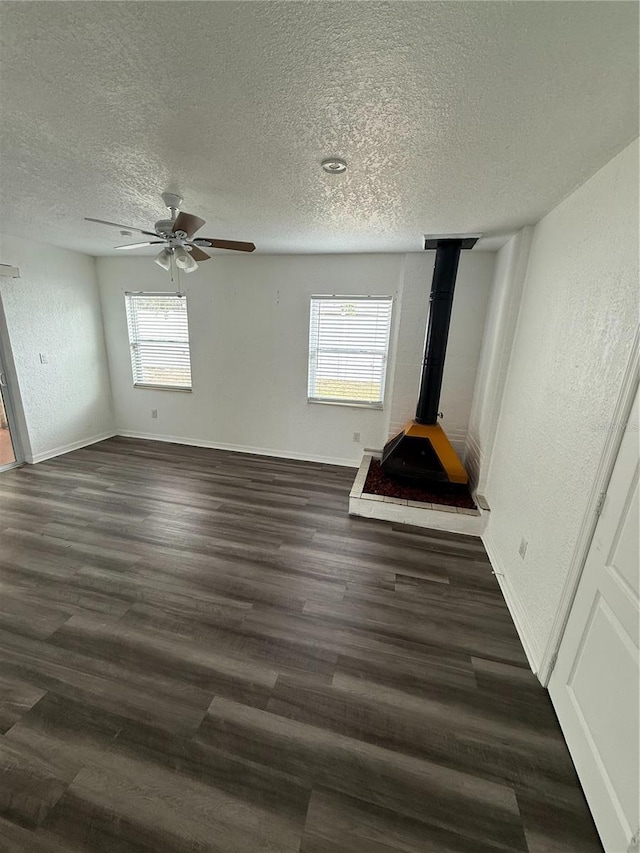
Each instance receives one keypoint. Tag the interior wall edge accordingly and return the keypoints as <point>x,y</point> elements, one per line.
<point>105,348</point>
<point>497,344</point>
<point>514,299</point>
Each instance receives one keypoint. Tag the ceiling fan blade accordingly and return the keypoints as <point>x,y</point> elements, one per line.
<point>235,245</point>
<point>124,227</point>
<point>197,254</point>
<point>140,245</point>
<point>188,223</point>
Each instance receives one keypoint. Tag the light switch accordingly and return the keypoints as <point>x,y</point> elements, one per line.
<point>43,358</point>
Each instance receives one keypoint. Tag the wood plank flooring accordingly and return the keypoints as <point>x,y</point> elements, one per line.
<point>201,651</point>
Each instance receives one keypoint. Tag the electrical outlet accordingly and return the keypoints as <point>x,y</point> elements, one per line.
<point>356,436</point>
<point>522,550</point>
<point>154,413</point>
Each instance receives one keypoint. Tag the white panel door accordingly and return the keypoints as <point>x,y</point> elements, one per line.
<point>595,686</point>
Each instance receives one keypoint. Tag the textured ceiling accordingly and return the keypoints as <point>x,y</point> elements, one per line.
<point>454,117</point>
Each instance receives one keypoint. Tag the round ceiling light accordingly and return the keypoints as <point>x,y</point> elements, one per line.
<point>334,165</point>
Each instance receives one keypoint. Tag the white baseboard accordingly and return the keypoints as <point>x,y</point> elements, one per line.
<point>516,609</point>
<point>240,448</point>
<point>33,459</point>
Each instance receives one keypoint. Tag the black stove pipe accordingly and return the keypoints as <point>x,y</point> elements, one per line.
<point>441,303</point>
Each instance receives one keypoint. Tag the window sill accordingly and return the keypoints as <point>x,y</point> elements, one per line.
<point>376,407</point>
<point>163,388</point>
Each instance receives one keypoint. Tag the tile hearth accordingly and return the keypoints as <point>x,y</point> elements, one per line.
<point>417,513</point>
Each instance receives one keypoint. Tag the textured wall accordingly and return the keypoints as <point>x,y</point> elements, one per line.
<point>473,286</point>
<point>497,340</point>
<point>249,331</point>
<point>54,308</point>
<point>577,321</point>
<point>249,326</point>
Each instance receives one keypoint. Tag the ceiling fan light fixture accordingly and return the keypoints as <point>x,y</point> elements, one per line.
<point>184,260</point>
<point>163,259</point>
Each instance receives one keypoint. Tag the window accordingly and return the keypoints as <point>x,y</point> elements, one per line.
<point>348,345</point>
<point>159,340</point>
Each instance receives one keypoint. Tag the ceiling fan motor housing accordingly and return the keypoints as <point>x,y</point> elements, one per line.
<point>164,227</point>
<point>172,200</point>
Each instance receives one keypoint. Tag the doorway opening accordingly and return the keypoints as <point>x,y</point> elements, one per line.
<point>11,445</point>
<point>7,451</point>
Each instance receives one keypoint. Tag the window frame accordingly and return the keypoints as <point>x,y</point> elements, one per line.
<point>147,385</point>
<point>333,401</point>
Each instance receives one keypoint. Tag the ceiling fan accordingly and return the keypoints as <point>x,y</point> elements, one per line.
<point>177,236</point>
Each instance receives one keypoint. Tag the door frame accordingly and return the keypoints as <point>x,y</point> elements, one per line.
<point>10,398</point>
<point>619,419</point>
<point>7,403</point>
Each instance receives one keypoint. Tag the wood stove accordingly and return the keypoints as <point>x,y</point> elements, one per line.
<point>422,451</point>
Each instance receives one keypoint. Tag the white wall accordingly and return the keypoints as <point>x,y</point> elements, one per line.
<point>54,308</point>
<point>249,328</point>
<point>471,296</point>
<point>500,327</point>
<point>576,325</point>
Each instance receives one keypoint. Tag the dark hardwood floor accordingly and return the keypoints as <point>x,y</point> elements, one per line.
<point>201,651</point>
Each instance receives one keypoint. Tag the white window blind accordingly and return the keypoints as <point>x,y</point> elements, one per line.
<point>159,340</point>
<point>348,345</point>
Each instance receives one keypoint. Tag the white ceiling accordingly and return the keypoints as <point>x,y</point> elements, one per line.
<point>454,117</point>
